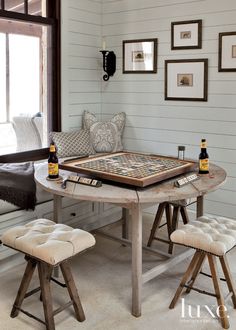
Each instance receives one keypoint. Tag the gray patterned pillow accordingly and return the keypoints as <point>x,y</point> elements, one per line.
<point>72,143</point>
<point>105,136</point>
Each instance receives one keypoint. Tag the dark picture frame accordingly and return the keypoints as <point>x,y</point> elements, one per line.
<point>140,56</point>
<point>227,52</point>
<point>186,34</point>
<point>186,80</point>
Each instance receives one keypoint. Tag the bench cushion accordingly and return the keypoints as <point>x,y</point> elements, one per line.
<point>48,241</point>
<point>216,235</point>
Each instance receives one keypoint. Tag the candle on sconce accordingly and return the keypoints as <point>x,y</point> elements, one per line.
<point>104,44</point>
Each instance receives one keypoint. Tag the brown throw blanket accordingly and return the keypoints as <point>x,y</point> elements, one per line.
<point>17,185</point>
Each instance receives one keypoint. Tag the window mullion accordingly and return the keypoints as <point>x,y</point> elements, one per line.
<point>2,4</point>
<point>7,78</point>
<point>26,8</point>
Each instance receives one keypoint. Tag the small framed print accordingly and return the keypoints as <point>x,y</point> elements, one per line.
<point>227,51</point>
<point>140,56</point>
<point>186,34</point>
<point>186,80</point>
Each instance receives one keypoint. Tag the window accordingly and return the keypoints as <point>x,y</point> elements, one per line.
<point>30,77</point>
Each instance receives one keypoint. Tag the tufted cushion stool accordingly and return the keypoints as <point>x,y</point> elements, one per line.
<point>47,245</point>
<point>212,237</point>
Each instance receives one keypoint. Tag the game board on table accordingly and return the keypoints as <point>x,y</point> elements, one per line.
<point>129,168</point>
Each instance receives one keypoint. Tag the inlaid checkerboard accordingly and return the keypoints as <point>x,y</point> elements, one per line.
<point>130,168</point>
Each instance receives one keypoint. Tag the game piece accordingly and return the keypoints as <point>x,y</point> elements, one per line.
<point>185,180</point>
<point>82,180</point>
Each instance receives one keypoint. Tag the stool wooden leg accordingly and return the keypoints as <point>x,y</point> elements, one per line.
<point>196,270</point>
<point>23,287</point>
<point>229,278</point>
<point>45,272</point>
<point>175,220</point>
<point>219,297</point>
<point>66,272</point>
<point>156,222</point>
<point>168,219</point>
<point>40,297</point>
<point>186,276</point>
<point>184,214</point>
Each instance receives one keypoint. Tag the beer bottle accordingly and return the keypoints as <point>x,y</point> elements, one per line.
<point>53,170</point>
<point>203,159</point>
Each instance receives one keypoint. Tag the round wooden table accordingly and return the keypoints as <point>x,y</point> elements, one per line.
<point>133,201</point>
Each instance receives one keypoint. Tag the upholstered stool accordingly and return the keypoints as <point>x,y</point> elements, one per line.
<point>47,245</point>
<point>212,237</point>
<point>179,208</point>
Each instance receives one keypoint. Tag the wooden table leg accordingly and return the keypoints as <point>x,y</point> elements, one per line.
<point>57,206</point>
<point>125,223</point>
<point>200,204</point>
<point>57,217</point>
<point>136,217</point>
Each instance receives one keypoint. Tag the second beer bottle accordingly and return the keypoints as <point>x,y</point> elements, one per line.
<point>53,169</point>
<point>203,159</point>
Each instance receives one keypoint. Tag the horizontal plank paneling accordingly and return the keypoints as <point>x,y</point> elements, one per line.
<point>222,209</point>
<point>84,86</point>
<point>171,136</point>
<point>81,60</point>
<point>154,124</point>
<point>216,87</point>
<point>131,5</point>
<point>158,98</point>
<point>78,15</point>
<point>85,5</point>
<point>179,9</point>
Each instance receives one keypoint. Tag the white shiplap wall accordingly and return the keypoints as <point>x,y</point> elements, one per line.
<point>81,61</point>
<point>153,124</point>
<point>156,125</point>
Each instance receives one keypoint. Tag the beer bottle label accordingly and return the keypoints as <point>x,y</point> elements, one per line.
<point>52,148</point>
<point>203,145</point>
<point>53,169</point>
<point>204,164</point>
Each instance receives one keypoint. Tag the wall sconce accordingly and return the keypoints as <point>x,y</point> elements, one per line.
<point>109,63</point>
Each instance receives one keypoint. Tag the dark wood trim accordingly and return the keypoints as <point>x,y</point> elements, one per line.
<point>53,20</point>
<point>26,17</point>
<point>7,78</point>
<point>199,44</point>
<point>155,41</point>
<point>26,7</point>
<point>205,73</point>
<point>54,11</point>
<point>2,4</point>
<point>31,155</point>
<point>221,36</point>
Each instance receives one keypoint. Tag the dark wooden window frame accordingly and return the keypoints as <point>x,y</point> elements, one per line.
<point>53,20</point>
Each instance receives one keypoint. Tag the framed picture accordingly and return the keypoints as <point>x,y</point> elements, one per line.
<point>227,51</point>
<point>186,34</point>
<point>140,56</point>
<point>186,80</point>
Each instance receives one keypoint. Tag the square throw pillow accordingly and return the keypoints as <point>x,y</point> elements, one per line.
<point>105,136</point>
<point>72,143</point>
